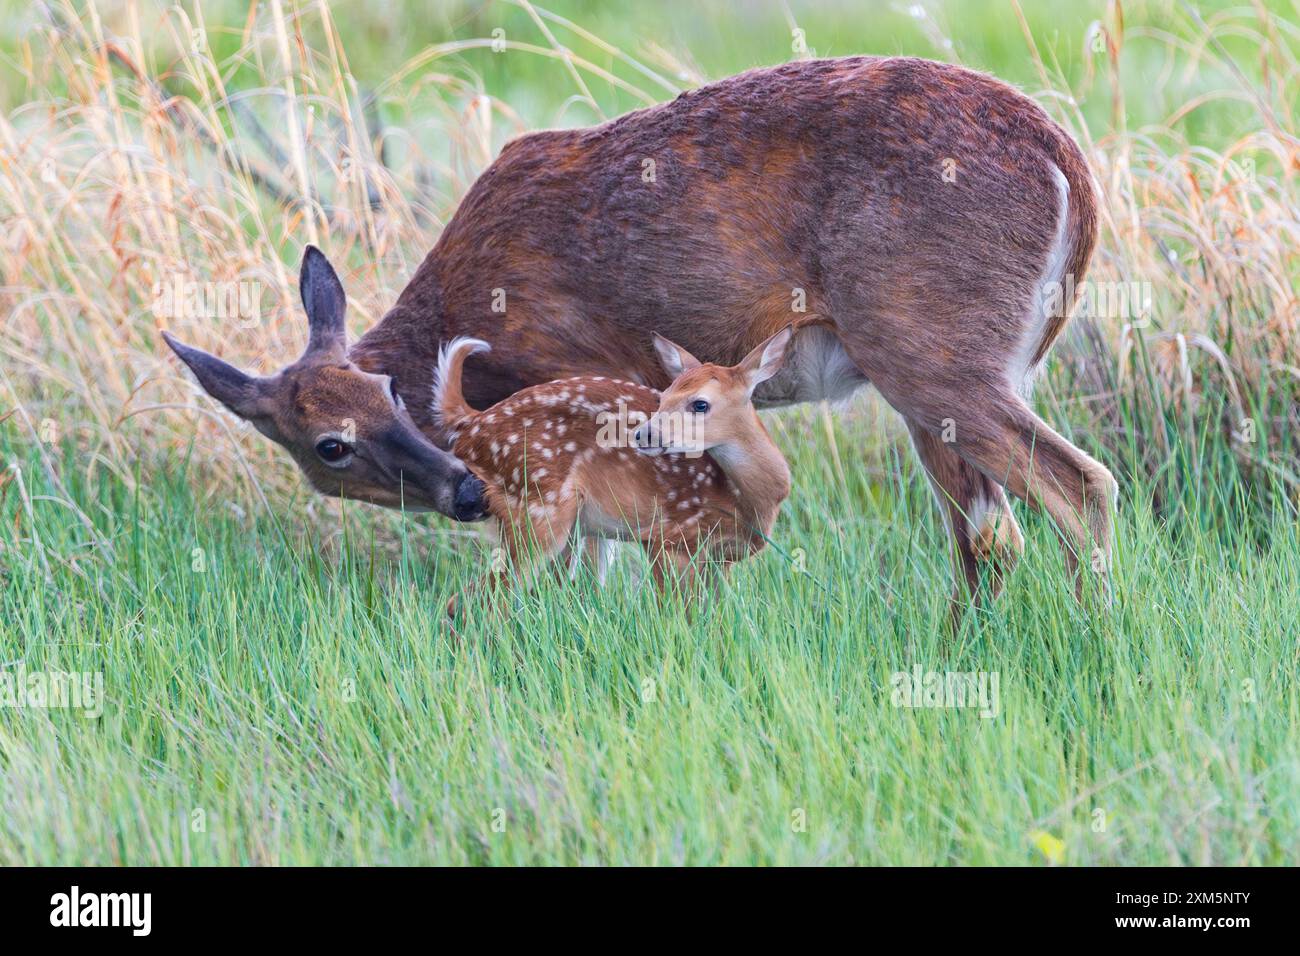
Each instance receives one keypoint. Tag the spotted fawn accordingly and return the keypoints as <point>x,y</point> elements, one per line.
<point>690,473</point>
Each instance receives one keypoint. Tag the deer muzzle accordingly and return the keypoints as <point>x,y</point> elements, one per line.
<point>468,503</point>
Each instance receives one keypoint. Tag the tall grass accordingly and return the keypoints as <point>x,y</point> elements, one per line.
<point>1206,382</point>
<point>268,703</point>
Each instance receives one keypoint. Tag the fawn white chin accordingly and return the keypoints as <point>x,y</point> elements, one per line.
<point>694,476</point>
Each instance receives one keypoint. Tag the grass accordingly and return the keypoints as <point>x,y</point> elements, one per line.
<point>301,697</point>
<point>281,685</point>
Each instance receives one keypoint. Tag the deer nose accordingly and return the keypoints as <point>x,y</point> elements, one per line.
<point>468,503</point>
<point>646,441</point>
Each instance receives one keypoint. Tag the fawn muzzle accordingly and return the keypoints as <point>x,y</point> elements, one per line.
<point>669,433</point>
<point>648,438</point>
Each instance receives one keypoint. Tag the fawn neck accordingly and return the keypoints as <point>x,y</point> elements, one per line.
<point>758,470</point>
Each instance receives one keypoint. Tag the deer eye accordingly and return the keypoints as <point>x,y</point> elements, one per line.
<point>699,406</point>
<point>332,451</point>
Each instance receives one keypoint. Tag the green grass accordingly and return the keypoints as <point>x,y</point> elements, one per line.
<point>304,692</point>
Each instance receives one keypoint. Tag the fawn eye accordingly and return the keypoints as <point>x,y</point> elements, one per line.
<point>332,451</point>
<point>699,406</point>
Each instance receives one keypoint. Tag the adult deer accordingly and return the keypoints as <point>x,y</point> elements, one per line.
<point>906,216</point>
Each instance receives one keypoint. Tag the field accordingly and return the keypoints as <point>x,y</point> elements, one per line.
<point>278,684</point>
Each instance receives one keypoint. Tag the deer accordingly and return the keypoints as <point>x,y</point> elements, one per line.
<point>348,429</point>
<point>913,221</point>
<point>698,482</point>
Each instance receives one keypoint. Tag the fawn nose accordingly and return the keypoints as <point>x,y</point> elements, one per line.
<point>647,440</point>
<point>468,502</point>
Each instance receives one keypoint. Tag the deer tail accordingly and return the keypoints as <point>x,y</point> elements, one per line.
<point>1079,232</point>
<point>449,405</point>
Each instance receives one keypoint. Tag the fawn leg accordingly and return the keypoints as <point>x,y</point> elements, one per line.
<point>599,554</point>
<point>692,574</point>
<point>525,547</point>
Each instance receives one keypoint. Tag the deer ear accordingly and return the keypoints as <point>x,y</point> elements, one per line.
<point>673,357</point>
<point>242,394</point>
<point>325,301</point>
<point>766,360</point>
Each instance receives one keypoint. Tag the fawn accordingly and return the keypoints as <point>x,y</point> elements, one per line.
<point>549,464</point>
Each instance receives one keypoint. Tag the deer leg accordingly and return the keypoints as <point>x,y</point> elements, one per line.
<point>588,551</point>
<point>669,566</point>
<point>524,548</point>
<point>599,554</point>
<point>995,432</point>
<point>1001,436</point>
<point>662,567</point>
<point>582,551</point>
<point>984,533</point>
<point>692,574</point>
<point>948,378</point>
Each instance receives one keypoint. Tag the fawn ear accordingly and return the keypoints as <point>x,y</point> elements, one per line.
<point>766,360</point>
<point>325,302</point>
<point>673,357</point>
<point>242,394</point>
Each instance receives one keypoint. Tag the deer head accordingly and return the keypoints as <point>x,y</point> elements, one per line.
<point>347,429</point>
<point>709,407</point>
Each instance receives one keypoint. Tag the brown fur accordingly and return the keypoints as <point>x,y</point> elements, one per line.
<point>825,176</point>
<point>548,464</point>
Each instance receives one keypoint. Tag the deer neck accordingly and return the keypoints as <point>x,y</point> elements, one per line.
<point>759,471</point>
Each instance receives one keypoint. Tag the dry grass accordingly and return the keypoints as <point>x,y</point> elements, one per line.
<point>136,175</point>
<point>1216,237</point>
